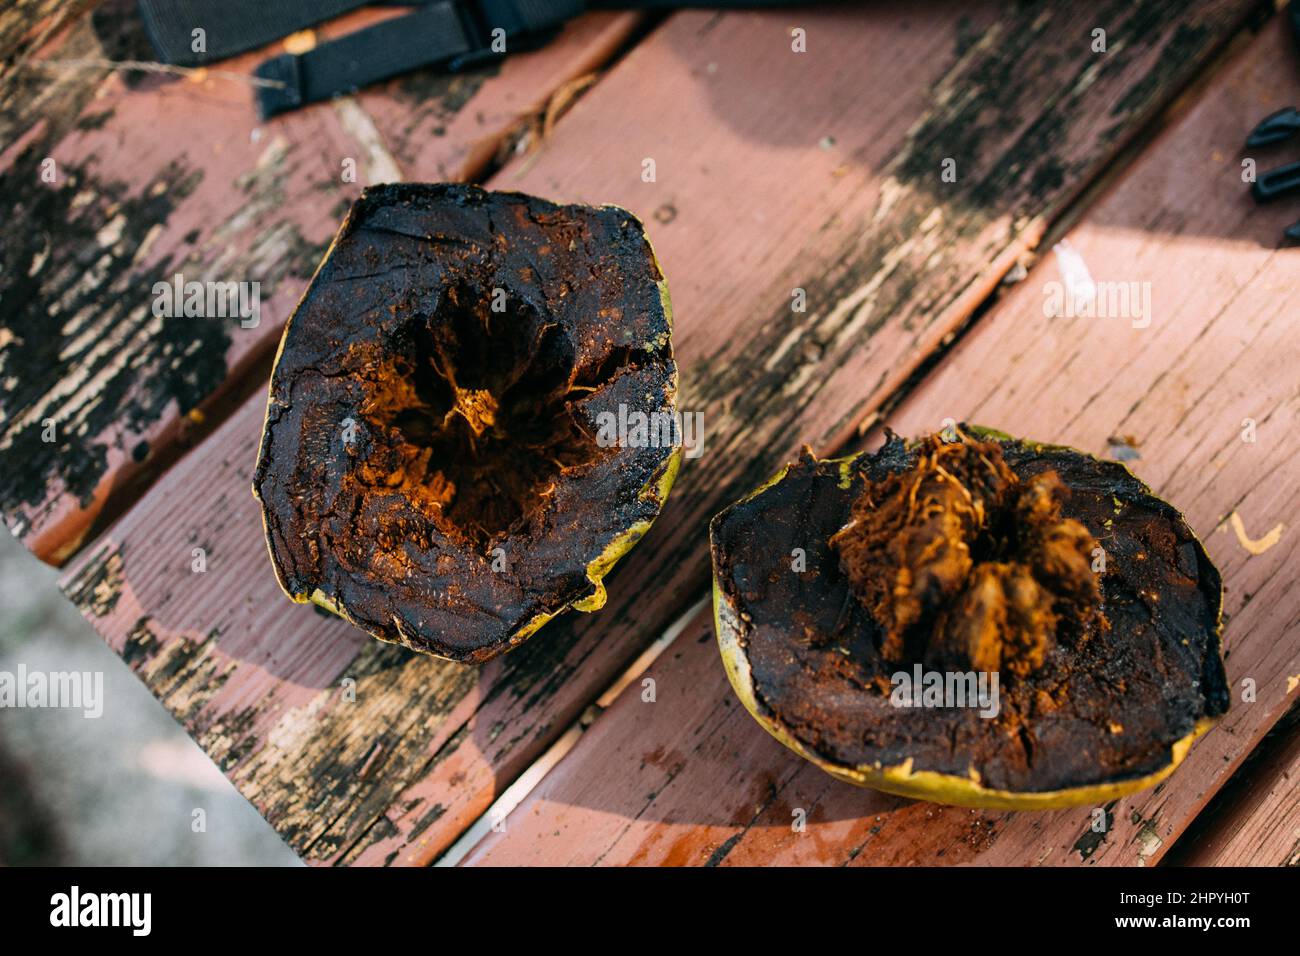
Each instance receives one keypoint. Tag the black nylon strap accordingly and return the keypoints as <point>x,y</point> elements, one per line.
<point>433,34</point>
<point>529,16</point>
<point>451,34</point>
<point>447,33</point>
<point>229,26</point>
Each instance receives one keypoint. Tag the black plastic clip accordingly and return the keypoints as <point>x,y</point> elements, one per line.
<point>1277,128</point>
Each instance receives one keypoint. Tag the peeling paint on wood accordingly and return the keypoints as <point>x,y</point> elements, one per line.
<point>151,178</point>
<point>98,583</point>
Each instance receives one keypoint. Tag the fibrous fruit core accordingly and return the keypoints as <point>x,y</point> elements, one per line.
<point>965,565</point>
<point>472,414</point>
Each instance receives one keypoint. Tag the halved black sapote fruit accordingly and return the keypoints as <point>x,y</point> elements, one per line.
<point>859,601</point>
<point>437,464</point>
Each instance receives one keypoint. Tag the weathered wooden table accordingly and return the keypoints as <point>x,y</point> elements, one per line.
<point>776,170</point>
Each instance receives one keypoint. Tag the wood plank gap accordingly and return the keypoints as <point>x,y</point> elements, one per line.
<point>1254,819</point>
<point>497,814</point>
<point>1233,47</point>
<point>1066,218</point>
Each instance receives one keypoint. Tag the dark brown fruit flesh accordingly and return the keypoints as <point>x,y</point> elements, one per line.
<point>1123,681</point>
<point>430,466</point>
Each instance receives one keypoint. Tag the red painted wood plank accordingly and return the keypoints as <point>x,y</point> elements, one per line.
<point>441,128</point>
<point>774,170</point>
<point>1255,820</point>
<point>692,779</point>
